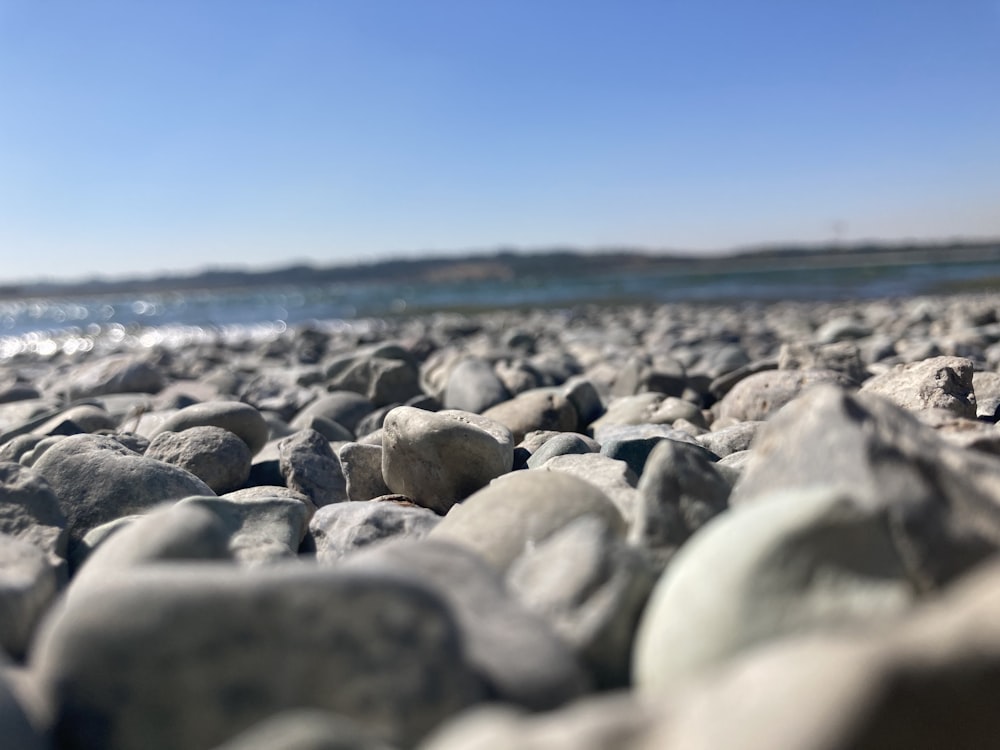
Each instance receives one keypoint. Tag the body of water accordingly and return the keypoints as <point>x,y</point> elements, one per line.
<point>48,325</point>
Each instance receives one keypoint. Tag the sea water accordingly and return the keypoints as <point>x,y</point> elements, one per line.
<point>50,325</point>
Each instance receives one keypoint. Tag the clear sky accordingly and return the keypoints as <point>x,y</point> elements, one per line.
<point>138,136</point>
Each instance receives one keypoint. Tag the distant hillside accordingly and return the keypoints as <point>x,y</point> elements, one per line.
<point>512,264</point>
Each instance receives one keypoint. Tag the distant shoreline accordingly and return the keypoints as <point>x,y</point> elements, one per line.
<point>508,264</point>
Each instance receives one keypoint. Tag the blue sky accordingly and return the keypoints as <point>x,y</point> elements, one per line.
<point>144,136</point>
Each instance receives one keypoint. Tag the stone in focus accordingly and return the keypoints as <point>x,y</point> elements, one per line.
<point>440,458</point>
<point>216,456</point>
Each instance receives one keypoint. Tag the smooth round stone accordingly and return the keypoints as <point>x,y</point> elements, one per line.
<point>216,456</point>
<point>440,458</point>
<point>203,651</point>
<point>344,407</point>
<point>119,482</point>
<point>241,419</point>
<point>182,531</point>
<point>521,509</point>
<point>82,418</point>
<point>332,431</point>
<point>537,409</point>
<point>583,394</point>
<point>562,444</point>
<point>797,562</point>
<point>732,439</point>
<point>473,386</point>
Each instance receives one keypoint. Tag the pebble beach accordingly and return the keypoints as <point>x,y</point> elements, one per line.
<point>687,526</point>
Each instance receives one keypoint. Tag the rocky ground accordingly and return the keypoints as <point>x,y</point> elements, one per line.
<point>682,527</point>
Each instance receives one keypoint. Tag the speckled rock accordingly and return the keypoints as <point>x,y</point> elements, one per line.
<point>342,529</point>
<point>935,383</point>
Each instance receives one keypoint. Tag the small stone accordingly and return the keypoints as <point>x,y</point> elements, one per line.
<point>732,439</point>
<point>119,482</point>
<point>537,409</point>
<point>362,467</point>
<point>241,419</point>
<point>440,458</point>
<point>583,394</point>
<point>649,408</point>
<point>216,456</point>
<point>473,386</point>
<point>562,444</point>
<point>309,465</point>
<point>77,419</point>
<point>343,407</point>
<point>680,491</point>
